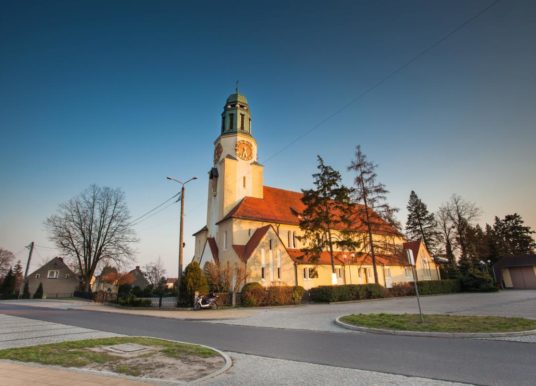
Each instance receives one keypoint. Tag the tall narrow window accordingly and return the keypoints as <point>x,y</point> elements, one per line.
<point>249,232</point>
<point>294,239</point>
<point>279,264</point>
<point>244,182</point>
<point>289,234</point>
<point>270,243</point>
<point>263,273</point>
<point>225,240</point>
<point>271,265</point>
<point>250,125</point>
<point>241,121</point>
<point>231,122</point>
<point>223,123</point>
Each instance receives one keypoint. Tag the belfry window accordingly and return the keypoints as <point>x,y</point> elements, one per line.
<point>231,122</point>
<point>242,122</point>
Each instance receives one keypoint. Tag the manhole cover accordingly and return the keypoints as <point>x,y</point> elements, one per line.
<point>127,348</point>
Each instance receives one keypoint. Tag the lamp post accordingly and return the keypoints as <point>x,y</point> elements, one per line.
<point>181,232</point>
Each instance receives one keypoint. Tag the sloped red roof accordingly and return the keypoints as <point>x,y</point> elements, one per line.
<point>204,229</point>
<point>283,206</point>
<point>214,249</point>
<point>414,246</point>
<point>245,251</point>
<point>339,258</point>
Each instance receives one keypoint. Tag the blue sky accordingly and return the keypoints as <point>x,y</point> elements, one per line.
<point>124,93</point>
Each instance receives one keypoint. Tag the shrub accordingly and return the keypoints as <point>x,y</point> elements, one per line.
<point>402,289</point>
<point>253,294</point>
<point>432,287</point>
<point>192,281</point>
<point>133,301</point>
<point>26,291</point>
<point>39,292</point>
<point>338,293</point>
<point>83,295</point>
<point>476,281</point>
<point>297,294</point>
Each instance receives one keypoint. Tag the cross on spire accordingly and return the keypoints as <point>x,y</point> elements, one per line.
<point>236,88</point>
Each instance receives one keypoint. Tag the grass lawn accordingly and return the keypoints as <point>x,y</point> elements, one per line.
<point>440,323</point>
<point>86,353</point>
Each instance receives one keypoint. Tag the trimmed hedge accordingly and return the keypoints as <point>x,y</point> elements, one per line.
<point>340,293</point>
<point>133,301</point>
<point>254,295</point>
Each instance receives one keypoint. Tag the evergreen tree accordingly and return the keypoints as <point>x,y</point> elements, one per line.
<point>193,280</point>
<point>371,194</point>
<point>8,285</point>
<point>19,276</point>
<point>512,237</point>
<point>39,292</point>
<point>421,223</point>
<point>26,291</point>
<point>327,208</point>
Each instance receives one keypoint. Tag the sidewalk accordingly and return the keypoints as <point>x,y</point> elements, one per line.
<point>15,374</point>
<point>224,314</point>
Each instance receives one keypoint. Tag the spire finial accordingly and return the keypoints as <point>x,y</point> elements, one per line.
<point>236,88</point>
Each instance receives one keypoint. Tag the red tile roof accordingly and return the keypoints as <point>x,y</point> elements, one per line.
<point>339,258</point>
<point>283,206</point>
<point>214,249</point>
<point>245,251</point>
<point>414,246</point>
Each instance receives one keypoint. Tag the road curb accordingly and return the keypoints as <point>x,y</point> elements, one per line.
<point>463,335</point>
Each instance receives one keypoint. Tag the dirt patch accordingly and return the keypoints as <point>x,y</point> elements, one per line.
<point>154,363</point>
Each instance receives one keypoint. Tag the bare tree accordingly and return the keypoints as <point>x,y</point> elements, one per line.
<point>446,235</point>
<point>154,272</point>
<point>372,195</point>
<point>6,258</point>
<point>462,214</point>
<point>93,228</point>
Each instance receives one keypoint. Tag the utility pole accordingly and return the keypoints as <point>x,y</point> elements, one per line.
<point>181,240</point>
<point>181,235</point>
<point>31,247</point>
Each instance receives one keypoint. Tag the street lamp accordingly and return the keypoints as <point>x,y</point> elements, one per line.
<point>181,231</point>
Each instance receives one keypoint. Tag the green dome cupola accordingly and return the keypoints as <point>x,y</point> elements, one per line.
<point>236,117</point>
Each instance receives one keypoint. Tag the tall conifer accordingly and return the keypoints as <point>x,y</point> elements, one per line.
<point>421,223</point>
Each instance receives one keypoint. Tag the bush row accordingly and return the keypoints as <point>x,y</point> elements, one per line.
<point>133,301</point>
<point>254,294</point>
<point>430,287</point>
<point>340,293</point>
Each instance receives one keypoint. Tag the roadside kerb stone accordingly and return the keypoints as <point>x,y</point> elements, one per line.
<point>466,335</point>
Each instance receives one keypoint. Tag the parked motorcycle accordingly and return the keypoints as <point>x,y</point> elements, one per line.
<point>207,301</point>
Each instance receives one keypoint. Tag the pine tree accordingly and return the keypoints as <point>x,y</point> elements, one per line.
<point>39,292</point>
<point>8,285</point>
<point>512,237</point>
<point>327,208</point>
<point>19,276</point>
<point>372,195</point>
<point>421,223</point>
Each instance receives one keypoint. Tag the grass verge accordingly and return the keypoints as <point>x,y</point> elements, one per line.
<point>440,323</point>
<point>79,353</point>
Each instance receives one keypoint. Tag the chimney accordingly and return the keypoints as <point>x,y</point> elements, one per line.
<point>137,267</point>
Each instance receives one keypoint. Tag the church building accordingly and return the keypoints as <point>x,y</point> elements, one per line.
<point>256,227</point>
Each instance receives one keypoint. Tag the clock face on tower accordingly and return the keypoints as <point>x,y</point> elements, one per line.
<point>244,150</point>
<point>217,152</point>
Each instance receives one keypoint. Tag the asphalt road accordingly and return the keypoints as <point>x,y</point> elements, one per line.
<point>486,362</point>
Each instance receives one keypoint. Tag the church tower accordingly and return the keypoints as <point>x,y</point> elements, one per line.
<point>235,173</point>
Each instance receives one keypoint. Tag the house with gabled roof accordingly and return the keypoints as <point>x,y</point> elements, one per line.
<point>58,280</point>
<point>257,228</point>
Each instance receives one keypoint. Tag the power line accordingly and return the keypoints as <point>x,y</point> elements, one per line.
<point>154,214</point>
<point>386,78</point>
<point>137,220</point>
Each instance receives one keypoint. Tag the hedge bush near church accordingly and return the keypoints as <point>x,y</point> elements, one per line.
<point>348,292</point>
<point>255,295</point>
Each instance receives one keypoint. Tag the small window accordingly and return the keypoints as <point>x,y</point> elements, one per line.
<point>249,232</point>
<point>37,275</point>
<point>66,275</point>
<point>279,272</point>
<point>313,273</point>
<point>241,121</point>
<point>409,274</point>
<point>53,274</point>
<point>305,273</point>
<point>244,182</point>
<point>270,242</point>
<point>225,240</point>
<point>289,238</point>
<point>339,272</point>
<point>263,273</point>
